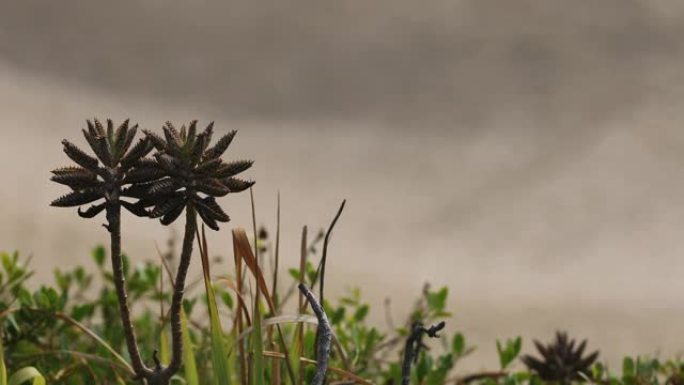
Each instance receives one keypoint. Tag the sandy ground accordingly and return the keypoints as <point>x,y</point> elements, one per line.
<point>527,155</point>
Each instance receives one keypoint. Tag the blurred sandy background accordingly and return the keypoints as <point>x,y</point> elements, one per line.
<point>529,154</point>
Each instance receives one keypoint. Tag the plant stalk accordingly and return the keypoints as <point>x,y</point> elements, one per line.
<point>179,290</point>
<point>114,227</point>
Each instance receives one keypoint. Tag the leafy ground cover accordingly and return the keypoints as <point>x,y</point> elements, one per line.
<point>69,332</point>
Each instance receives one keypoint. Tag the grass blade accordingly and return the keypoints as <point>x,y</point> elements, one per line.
<point>257,344</point>
<point>191,376</point>
<point>298,349</point>
<point>95,337</point>
<point>218,347</point>
<point>164,349</point>
<point>240,314</point>
<point>276,268</point>
<point>3,368</point>
<point>242,249</point>
<point>257,341</point>
<point>27,374</point>
<point>340,372</point>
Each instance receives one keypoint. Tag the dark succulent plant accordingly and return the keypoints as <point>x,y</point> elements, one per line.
<point>192,177</point>
<point>116,170</point>
<point>193,174</point>
<point>562,360</point>
<point>185,175</point>
<point>104,176</point>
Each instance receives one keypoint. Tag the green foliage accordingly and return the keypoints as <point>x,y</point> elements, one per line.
<point>40,337</point>
<point>509,351</point>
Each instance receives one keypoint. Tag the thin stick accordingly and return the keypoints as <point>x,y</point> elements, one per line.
<point>274,292</point>
<point>302,277</point>
<point>302,265</point>
<point>95,337</point>
<point>321,266</point>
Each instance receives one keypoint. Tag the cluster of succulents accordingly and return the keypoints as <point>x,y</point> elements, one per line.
<point>183,174</point>
<point>562,360</point>
<point>184,170</point>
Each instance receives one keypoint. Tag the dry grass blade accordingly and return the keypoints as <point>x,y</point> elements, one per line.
<point>218,348</point>
<point>239,324</point>
<point>97,338</point>
<point>276,269</point>
<point>343,373</point>
<point>256,340</point>
<point>241,301</point>
<point>243,250</point>
<point>261,282</point>
<point>280,320</point>
<point>242,245</point>
<point>85,356</point>
<point>299,330</point>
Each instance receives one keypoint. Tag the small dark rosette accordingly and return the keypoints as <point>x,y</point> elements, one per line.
<point>105,176</point>
<point>562,361</point>
<point>192,174</point>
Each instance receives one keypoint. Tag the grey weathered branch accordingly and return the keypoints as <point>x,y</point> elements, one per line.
<point>324,333</point>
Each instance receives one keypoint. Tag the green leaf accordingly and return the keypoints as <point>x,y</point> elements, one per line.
<point>218,348</point>
<point>423,367</point>
<point>361,313</point>
<point>80,312</point>
<point>509,352</point>
<point>337,316</point>
<point>256,346</point>
<point>628,367</point>
<point>26,374</point>
<point>436,301</point>
<point>191,376</point>
<point>24,297</point>
<point>227,300</point>
<point>164,349</point>
<point>3,368</point>
<point>294,273</point>
<point>98,254</point>
<point>458,344</point>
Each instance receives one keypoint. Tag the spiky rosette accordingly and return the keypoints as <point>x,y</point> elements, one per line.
<point>193,173</point>
<point>561,360</point>
<point>116,164</point>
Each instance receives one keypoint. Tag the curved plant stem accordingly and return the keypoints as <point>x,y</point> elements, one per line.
<point>413,346</point>
<point>178,291</point>
<point>324,258</point>
<point>114,227</point>
<point>324,336</point>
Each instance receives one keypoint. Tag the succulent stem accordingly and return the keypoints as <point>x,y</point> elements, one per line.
<point>114,227</point>
<point>179,289</point>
